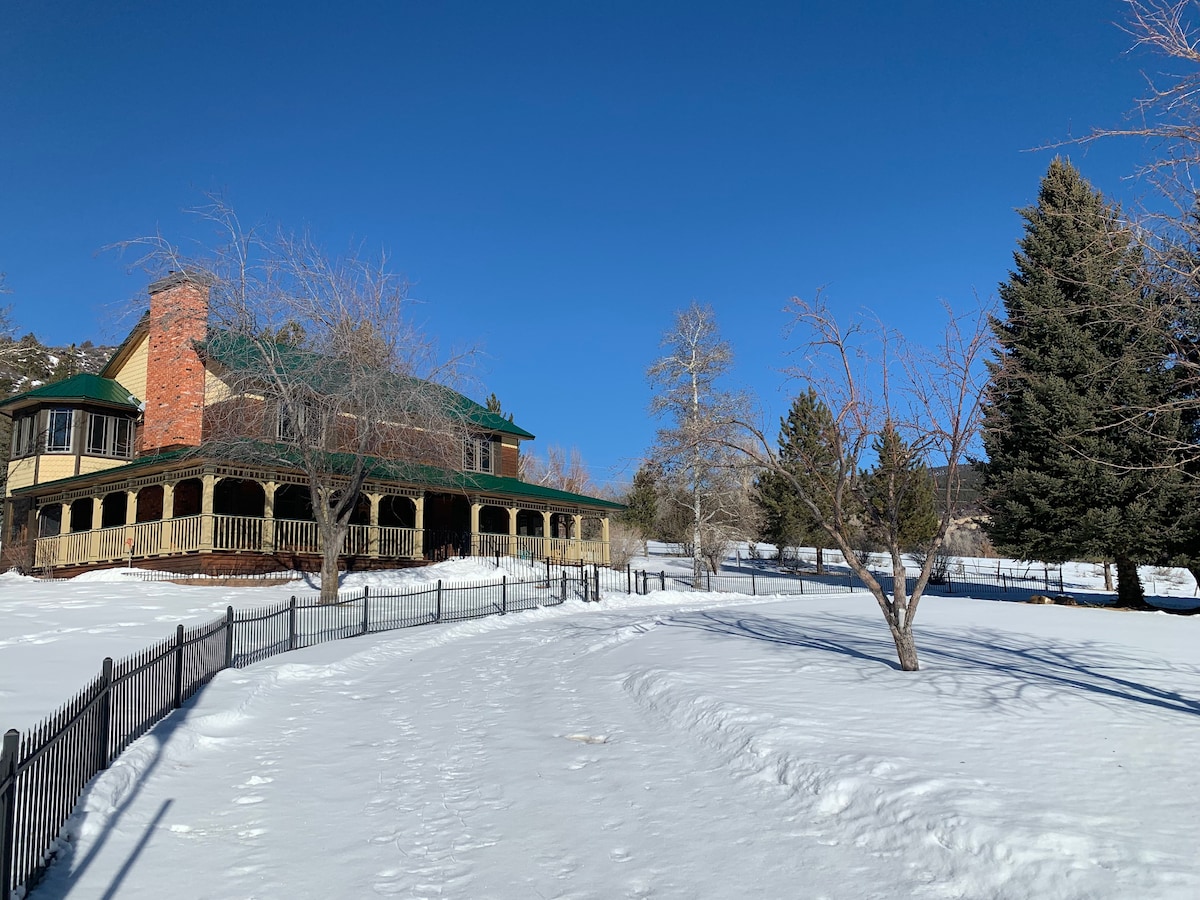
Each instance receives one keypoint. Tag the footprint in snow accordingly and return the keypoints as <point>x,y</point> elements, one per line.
<point>588,738</point>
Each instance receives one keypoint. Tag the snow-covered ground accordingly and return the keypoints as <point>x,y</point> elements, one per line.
<point>674,745</point>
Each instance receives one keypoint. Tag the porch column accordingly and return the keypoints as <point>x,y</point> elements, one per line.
<point>97,524</point>
<point>419,526</point>
<point>209,483</point>
<point>604,537</point>
<point>373,533</point>
<point>577,535</point>
<point>512,531</point>
<point>546,534</point>
<point>130,522</point>
<point>268,529</point>
<point>167,537</point>
<point>475,507</point>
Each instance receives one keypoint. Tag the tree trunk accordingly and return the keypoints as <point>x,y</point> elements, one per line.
<point>1108,584</point>
<point>1129,586</point>
<point>820,561</point>
<point>906,649</point>
<point>330,545</point>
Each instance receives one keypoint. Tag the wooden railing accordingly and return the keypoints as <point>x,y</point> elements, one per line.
<point>188,534</point>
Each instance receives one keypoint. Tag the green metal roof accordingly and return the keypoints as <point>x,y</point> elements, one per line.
<point>377,469</point>
<point>80,388</point>
<point>239,352</point>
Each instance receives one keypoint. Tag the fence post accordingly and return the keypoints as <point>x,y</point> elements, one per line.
<point>437,615</point>
<point>1061,589</point>
<point>366,597</point>
<point>564,585</point>
<point>753,585</point>
<point>596,575</point>
<point>1003,583</point>
<point>708,581</point>
<point>662,579</point>
<point>547,571</point>
<point>503,595</point>
<point>179,666</point>
<point>292,624</point>
<point>104,717</point>
<point>629,578</point>
<point>228,637</point>
<point>8,810</point>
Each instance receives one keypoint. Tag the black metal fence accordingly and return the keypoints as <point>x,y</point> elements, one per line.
<point>44,770</point>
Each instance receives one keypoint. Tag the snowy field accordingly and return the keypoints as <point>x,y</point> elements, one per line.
<point>676,745</point>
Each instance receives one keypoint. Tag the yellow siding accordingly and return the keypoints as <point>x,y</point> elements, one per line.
<point>215,390</point>
<point>89,464</point>
<point>52,468</point>
<point>20,474</point>
<point>132,373</point>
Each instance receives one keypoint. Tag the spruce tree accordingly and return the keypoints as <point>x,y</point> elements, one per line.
<point>807,453</point>
<point>899,475</point>
<point>641,503</point>
<point>1077,434</point>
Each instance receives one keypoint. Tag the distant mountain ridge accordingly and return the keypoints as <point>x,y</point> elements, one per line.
<point>27,363</point>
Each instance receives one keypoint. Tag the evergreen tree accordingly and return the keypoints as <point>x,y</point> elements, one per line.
<point>806,451</point>
<point>1077,433</point>
<point>641,503</point>
<point>493,406</point>
<point>899,475</point>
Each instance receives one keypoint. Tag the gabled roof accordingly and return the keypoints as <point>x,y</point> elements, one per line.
<point>239,352</point>
<point>78,388</point>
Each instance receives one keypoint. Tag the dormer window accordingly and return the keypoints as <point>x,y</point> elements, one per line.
<point>477,454</point>
<point>59,430</point>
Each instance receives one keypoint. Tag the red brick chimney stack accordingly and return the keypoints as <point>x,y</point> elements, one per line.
<point>174,414</point>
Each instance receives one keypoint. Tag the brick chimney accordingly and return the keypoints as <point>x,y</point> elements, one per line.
<point>174,414</point>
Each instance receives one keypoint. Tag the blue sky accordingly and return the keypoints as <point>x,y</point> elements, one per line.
<point>557,178</point>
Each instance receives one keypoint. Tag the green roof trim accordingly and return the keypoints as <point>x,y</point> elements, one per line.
<point>81,388</point>
<point>377,469</point>
<point>237,351</point>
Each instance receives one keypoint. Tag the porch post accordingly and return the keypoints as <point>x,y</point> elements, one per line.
<point>97,523</point>
<point>512,531</point>
<point>130,521</point>
<point>64,528</point>
<point>419,526</point>
<point>268,530</point>
<point>475,507</point>
<point>167,537</point>
<point>604,537</point>
<point>209,483</point>
<point>577,535</point>
<point>373,533</point>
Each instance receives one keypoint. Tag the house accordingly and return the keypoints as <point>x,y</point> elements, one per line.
<point>118,468</point>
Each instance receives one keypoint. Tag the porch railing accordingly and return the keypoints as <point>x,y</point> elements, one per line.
<point>189,534</point>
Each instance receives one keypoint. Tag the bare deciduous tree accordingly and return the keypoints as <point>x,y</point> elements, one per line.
<point>697,450</point>
<point>562,470</point>
<point>871,381</point>
<point>320,370</point>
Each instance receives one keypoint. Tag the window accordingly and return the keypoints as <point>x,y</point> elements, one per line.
<point>109,436</point>
<point>477,454</point>
<point>294,421</point>
<point>23,442</point>
<point>58,430</point>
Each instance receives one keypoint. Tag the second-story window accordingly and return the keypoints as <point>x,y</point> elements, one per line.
<point>477,454</point>
<point>109,436</point>
<point>23,435</point>
<point>58,430</point>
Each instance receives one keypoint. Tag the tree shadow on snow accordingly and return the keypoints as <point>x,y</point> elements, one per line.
<point>1004,668</point>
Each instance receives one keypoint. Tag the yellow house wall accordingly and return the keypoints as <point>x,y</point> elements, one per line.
<point>215,390</point>
<point>132,373</point>
<point>20,474</point>
<point>51,468</point>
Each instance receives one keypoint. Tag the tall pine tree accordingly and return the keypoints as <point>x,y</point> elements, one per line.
<point>807,452</point>
<point>1076,433</point>
<point>900,490</point>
